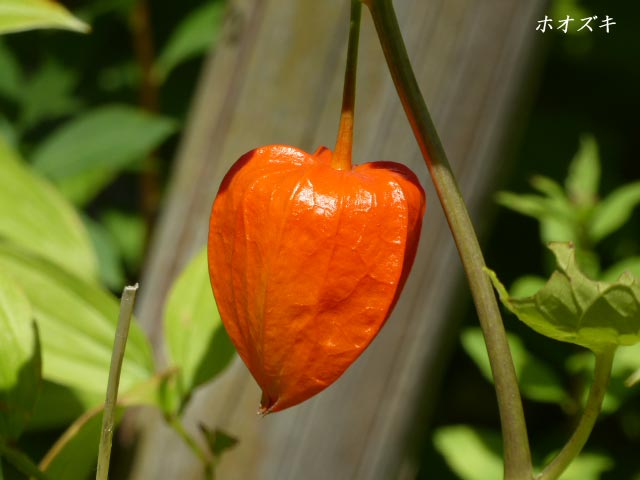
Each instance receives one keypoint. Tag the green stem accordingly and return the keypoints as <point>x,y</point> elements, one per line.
<point>108,419</point>
<point>516,443</point>
<point>592,409</point>
<point>175,423</point>
<point>341,159</point>
<point>22,462</point>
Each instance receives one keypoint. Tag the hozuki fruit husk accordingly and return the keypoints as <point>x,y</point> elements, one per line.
<point>307,262</point>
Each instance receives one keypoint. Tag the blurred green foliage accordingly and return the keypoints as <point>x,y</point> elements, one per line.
<point>88,128</point>
<point>584,108</point>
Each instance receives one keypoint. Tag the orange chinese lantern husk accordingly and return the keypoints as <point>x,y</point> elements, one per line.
<point>307,262</point>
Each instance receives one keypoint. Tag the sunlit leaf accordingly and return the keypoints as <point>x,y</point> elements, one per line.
<point>100,144</point>
<point>197,342</point>
<point>526,286</point>
<point>19,359</point>
<point>20,15</point>
<point>36,217</point>
<point>192,37</point>
<point>588,466</point>
<point>583,179</point>
<point>614,211</point>
<point>573,308</point>
<point>77,325</point>
<point>537,380</point>
<point>470,453</point>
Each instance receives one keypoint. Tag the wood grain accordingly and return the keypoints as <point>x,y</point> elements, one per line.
<point>275,77</point>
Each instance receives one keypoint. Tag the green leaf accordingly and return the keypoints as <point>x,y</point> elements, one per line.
<point>19,359</point>
<point>588,466</point>
<point>57,406</point>
<point>73,456</point>
<point>573,308</point>
<point>128,232</point>
<point>109,261</point>
<point>93,148</point>
<point>196,340</point>
<point>77,323</point>
<point>554,211</point>
<point>192,37</point>
<point>631,265</point>
<point>36,217</point>
<point>77,451</point>
<point>583,362</point>
<point>526,286</point>
<point>537,381</point>
<point>471,454</point>
<point>584,173</point>
<point>48,94</point>
<point>614,211</point>
<point>11,80</point>
<point>20,15</point>
<point>218,440</point>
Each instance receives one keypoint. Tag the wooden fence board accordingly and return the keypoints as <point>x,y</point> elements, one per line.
<point>275,77</point>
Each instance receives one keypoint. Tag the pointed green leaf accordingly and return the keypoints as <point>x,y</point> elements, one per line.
<point>573,308</point>
<point>48,94</point>
<point>19,359</point>
<point>93,148</point>
<point>537,380</point>
<point>77,323</point>
<point>197,342</point>
<point>192,37</point>
<point>554,212</point>
<point>36,217</point>
<point>20,15</point>
<point>217,440</point>
<point>584,173</point>
<point>614,211</point>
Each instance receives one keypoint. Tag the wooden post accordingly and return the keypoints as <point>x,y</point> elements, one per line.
<point>275,77</point>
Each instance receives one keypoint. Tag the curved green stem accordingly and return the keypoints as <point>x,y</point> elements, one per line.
<point>341,159</point>
<point>592,409</point>
<point>117,357</point>
<point>516,443</point>
<point>175,423</point>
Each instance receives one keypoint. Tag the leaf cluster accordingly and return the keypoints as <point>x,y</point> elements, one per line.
<point>66,141</point>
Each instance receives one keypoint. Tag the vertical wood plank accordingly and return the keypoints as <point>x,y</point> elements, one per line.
<point>276,78</point>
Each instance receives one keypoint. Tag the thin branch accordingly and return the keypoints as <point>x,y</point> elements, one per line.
<point>117,357</point>
<point>573,447</point>
<point>515,441</point>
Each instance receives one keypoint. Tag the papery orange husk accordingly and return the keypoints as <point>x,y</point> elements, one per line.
<point>307,262</point>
